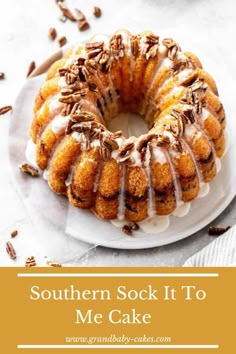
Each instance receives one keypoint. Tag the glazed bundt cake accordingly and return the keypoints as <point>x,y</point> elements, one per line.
<point>131,178</point>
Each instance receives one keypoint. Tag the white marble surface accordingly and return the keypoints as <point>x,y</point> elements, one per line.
<point>205,27</point>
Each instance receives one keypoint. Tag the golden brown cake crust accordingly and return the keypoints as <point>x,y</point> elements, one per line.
<point>137,177</point>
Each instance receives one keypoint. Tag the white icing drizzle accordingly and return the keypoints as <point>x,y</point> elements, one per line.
<point>136,158</point>
<point>30,153</point>
<point>155,225</point>
<point>59,124</point>
<point>158,155</point>
<point>204,189</point>
<point>151,210</point>
<point>182,209</point>
<point>121,207</point>
<point>205,114</point>
<point>54,105</point>
<point>97,177</point>
<point>198,171</point>
<point>46,174</point>
<point>68,181</point>
<point>118,223</point>
<point>178,192</point>
<point>218,164</point>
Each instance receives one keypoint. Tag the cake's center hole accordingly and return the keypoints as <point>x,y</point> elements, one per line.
<point>131,124</point>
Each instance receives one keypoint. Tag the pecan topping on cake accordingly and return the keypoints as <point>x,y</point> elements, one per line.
<point>172,46</point>
<point>134,43</point>
<point>116,46</point>
<point>150,48</point>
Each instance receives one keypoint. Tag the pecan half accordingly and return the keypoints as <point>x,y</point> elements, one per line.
<point>14,233</point>
<point>30,262</point>
<point>217,231</point>
<point>52,33</point>
<point>80,16</point>
<point>53,264</point>
<point>127,230</point>
<point>66,12</point>
<point>134,45</point>
<point>126,149</point>
<point>62,41</point>
<point>31,68</point>
<point>172,47</point>
<point>26,168</point>
<point>2,76</point>
<point>83,25</point>
<point>110,143</point>
<point>82,117</point>
<point>97,11</point>
<point>142,144</point>
<point>10,250</point>
<point>5,109</point>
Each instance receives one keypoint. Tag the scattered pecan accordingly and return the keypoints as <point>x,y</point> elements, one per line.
<point>83,25</point>
<point>53,264</point>
<point>127,230</point>
<point>14,233</point>
<point>79,15</point>
<point>66,12</point>
<point>31,68</point>
<point>62,41</point>
<point>97,11</point>
<point>10,250</point>
<point>26,168</point>
<point>2,76</point>
<point>30,262</point>
<point>217,231</point>
<point>134,226</point>
<point>5,109</point>
<point>52,33</point>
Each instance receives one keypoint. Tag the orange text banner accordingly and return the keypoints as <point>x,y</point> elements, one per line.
<point>97,310</point>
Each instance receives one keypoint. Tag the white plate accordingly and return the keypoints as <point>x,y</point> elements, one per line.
<point>83,224</point>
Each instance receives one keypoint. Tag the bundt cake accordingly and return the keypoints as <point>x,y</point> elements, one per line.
<point>131,178</point>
